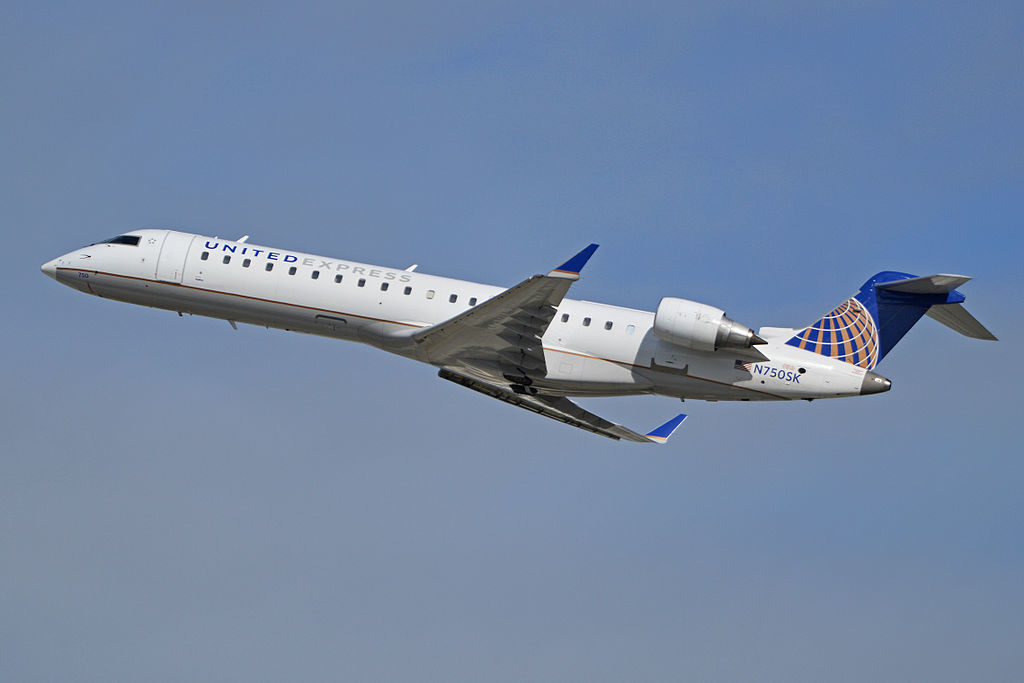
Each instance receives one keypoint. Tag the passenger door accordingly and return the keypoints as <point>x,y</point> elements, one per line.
<point>171,264</point>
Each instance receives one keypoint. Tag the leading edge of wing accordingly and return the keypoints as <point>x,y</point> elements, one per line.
<point>562,409</point>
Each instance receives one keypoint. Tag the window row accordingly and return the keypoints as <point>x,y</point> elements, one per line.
<point>608,324</point>
<point>315,275</point>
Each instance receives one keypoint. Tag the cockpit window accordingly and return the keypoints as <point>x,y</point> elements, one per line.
<point>132,240</point>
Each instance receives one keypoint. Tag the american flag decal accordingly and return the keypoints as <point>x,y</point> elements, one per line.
<point>746,366</point>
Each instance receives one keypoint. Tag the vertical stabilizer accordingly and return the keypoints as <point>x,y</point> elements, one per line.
<point>865,327</point>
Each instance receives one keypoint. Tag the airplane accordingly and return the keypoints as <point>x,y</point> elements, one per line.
<point>527,345</point>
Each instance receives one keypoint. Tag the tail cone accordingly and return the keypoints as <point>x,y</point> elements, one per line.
<point>874,384</point>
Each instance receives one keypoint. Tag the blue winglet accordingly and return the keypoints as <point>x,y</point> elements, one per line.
<point>662,433</point>
<point>574,265</point>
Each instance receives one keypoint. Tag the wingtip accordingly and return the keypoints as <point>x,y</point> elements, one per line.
<point>661,434</point>
<point>574,265</point>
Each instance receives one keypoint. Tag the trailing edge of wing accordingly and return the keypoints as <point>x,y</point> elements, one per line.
<point>562,409</point>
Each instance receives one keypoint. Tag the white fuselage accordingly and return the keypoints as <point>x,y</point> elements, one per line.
<point>589,348</point>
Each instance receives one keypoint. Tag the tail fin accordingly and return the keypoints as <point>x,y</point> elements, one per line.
<point>864,328</point>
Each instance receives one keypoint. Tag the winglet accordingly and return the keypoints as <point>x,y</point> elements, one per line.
<point>662,433</point>
<point>573,266</point>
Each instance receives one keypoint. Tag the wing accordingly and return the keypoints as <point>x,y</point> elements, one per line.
<point>562,409</point>
<point>504,332</point>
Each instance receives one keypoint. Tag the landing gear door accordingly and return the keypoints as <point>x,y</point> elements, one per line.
<point>171,264</point>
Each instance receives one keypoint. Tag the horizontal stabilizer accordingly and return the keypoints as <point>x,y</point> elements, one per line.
<point>956,317</point>
<point>929,284</point>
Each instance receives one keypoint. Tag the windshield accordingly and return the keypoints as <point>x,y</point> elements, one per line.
<point>133,240</point>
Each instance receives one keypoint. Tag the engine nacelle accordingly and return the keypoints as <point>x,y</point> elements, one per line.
<point>700,327</point>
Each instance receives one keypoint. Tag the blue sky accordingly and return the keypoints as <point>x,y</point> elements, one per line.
<point>181,501</point>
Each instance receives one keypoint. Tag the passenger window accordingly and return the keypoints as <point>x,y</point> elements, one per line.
<point>407,291</point>
<point>430,294</point>
<point>315,274</point>
<point>472,301</point>
<point>608,325</point>
<point>270,267</point>
<point>205,256</point>
<point>246,263</point>
<point>586,322</point>
<point>337,279</point>
<point>565,317</point>
<point>453,298</point>
<point>383,286</point>
<point>630,329</point>
<point>291,271</point>
<point>227,259</point>
<point>362,282</point>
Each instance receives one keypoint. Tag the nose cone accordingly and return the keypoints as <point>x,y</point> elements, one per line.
<point>50,268</point>
<point>874,384</point>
